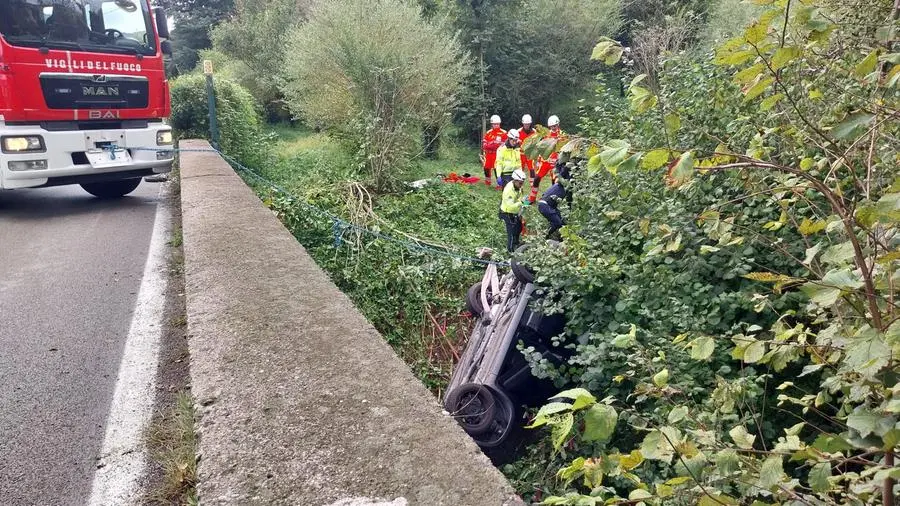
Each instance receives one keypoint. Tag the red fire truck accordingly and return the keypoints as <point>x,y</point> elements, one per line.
<point>83,94</point>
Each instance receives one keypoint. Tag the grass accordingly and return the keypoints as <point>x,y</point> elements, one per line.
<point>173,444</point>
<point>177,238</point>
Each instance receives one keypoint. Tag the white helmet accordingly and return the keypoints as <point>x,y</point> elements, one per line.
<point>518,175</point>
<point>495,120</point>
<point>553,120</point>
<point>513,133</point>
<point>526,120</point>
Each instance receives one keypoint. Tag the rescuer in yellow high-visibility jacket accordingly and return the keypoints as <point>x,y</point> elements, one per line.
<point>511,207</point>
<point>509,158</point>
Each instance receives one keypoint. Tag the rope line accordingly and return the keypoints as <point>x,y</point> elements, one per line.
<point>338,225</point>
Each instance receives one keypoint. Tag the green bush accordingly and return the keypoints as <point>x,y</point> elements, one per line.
<point>240,127</point>
<point>730,274</point>
<point>377,76</point>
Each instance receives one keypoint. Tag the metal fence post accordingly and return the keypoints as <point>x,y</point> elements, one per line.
<point>211,101</point>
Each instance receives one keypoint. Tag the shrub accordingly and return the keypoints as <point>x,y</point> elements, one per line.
<point>240,127</point>
<point>731,278</point>
<point>376,75</point>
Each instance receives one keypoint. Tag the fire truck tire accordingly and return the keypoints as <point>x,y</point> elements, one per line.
<point>473,406</point>
<point>521,271</point>
<point>112,189</point>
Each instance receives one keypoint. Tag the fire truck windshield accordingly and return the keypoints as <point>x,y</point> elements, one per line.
<point>103,26</point>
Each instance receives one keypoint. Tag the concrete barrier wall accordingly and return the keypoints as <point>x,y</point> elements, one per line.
<point>301,401</point>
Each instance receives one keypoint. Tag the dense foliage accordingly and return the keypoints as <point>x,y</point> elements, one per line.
<point>730,274</point>
<point>255,41</point>
<point>377,76</point>
<point>412,296</point>
<point>532,55</point>
<point>240,125</point>
<point>730,263</point>
<point>193,20</point>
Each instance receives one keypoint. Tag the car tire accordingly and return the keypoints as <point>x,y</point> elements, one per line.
<point>521,271</point>
<point>112,189</point>
<point>472,405</point>
<point>473,300</point>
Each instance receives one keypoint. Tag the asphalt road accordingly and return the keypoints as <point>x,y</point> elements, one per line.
<point>70,269</point>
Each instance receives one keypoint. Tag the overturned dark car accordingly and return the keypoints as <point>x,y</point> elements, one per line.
<point>493,381</point>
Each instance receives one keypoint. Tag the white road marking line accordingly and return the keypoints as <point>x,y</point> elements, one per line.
<point>123,457</point>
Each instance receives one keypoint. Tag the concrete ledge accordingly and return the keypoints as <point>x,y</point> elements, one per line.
<point>301,400</point>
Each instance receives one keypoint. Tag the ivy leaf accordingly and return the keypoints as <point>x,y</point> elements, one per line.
<point>599,422</point>
<point>741,437</point>
<point>771,473</point>
<point>852,126</point>
<point>702,348</point>
<point>655,159</point>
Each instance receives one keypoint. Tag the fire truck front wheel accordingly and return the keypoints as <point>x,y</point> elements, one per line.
<point>111,189</point>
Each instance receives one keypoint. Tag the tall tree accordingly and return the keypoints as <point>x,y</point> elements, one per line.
<point>193,21</point>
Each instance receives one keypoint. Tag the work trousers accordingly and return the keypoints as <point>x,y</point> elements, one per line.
<point>553,217</point>
<point>513,224</point>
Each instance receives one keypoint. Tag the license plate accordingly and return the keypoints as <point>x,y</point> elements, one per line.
<point>108,158</point>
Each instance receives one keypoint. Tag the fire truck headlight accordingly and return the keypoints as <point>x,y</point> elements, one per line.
<point>23,144</point>
<point>164,137</point>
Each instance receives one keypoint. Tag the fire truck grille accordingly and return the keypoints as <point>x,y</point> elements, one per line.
<point>79,91</point>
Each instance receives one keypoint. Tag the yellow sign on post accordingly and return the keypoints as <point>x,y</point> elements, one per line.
<point>207,67</point>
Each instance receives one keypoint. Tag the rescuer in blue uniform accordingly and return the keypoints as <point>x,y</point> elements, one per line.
<point>549,203</point>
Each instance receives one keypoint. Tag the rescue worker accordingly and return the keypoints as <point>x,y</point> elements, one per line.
<point>524,133</point>
<point>493,139</point>
<point>546,166</point>
<point>509,158</point>
<point>511,209</point>
<point>549,203</point>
